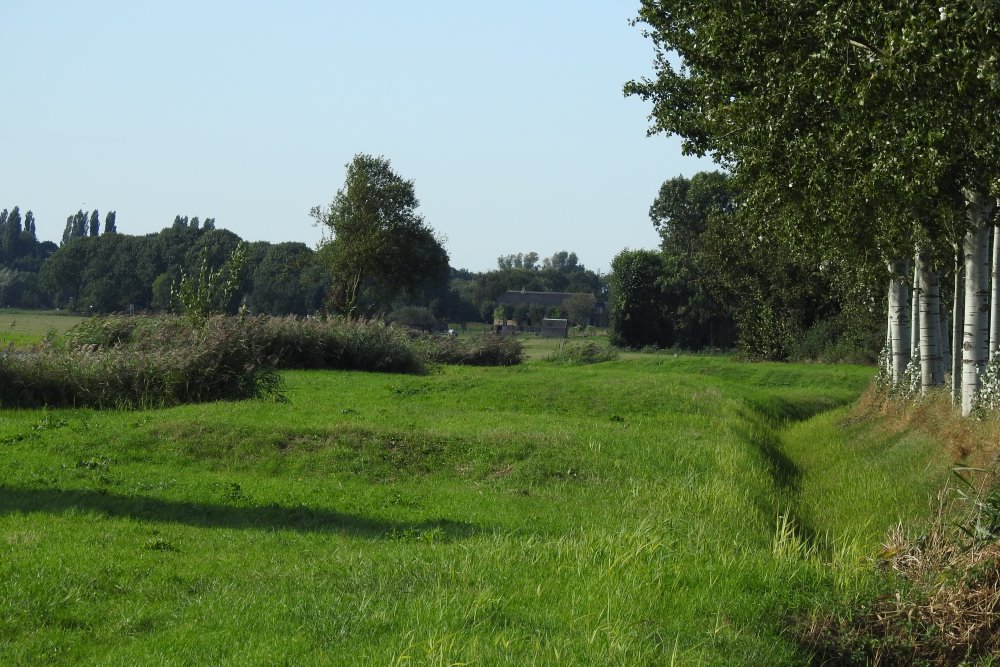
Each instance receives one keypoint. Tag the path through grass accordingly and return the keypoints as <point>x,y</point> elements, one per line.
<point>663,510</point>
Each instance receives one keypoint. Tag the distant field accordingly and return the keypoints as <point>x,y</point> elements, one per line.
<point>658,510</point>
<point>26,327</point>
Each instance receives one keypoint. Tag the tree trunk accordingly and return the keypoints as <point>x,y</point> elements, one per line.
<point>976,336</point>
<point>995,296</point>
<point>899,319</point>
<point>945,338</point>
<point>931,370</point>
<point>957,318</point>
<point>915,310</point>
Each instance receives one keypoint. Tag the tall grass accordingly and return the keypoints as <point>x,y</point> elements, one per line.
<point>333,344</point>
<point>167,365</point>
<point>144,361</point>
<point>485,350</point>
<point>337,343</point>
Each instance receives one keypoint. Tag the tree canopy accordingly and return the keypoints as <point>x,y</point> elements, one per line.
<point>380,247</point>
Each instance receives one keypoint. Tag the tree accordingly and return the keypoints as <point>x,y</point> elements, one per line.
<point>579,308</point>
<point>849,125</point>
<point>210,291</point>
<point>637,303</point>
<point>682,212</point>
<point>95,223</point>
<point>380,247</point>
<point>109,223</point>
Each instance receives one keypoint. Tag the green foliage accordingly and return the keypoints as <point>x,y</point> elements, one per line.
<point>415,317</point>
<point>855,131</point>
<point>380,247</point>
<point>211,291</point>
<point>989,395</point>
<point>638,305</point>
<point>579,308</point>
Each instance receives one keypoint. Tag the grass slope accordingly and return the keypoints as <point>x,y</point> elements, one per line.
<point>664,510</point>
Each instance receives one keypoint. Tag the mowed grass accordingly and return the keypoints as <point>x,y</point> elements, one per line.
<point>26,327</point>
<point>658,510</point>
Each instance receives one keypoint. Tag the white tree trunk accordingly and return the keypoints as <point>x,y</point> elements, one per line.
<point>899,319</point>
<point>931,369</point>
<point>945,339</point>
<point>915,310</point>
<point>957,319</point>
<point>995,296</point>
<point>976,336</point>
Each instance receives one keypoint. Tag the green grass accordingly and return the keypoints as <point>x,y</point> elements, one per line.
<point>657,510</point>
<point>22,328</point>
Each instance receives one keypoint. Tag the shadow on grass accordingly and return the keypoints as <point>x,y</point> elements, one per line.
<point>209,515</point>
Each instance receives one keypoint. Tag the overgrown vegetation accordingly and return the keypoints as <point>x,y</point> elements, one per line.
<point>484,350</point>
<point>939,600</point>
<point>582,353</point>
<point>166,365</point>
<point>141,361</point>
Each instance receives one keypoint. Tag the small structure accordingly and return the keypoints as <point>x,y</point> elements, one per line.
<point>508,327</point>
<point>530,307</point>
<point>555,328</point>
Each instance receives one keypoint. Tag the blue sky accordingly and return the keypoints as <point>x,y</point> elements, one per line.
<point>508,117</point>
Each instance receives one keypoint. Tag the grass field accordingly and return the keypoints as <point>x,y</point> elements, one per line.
<point>654,510</point>
<point>25,327</point>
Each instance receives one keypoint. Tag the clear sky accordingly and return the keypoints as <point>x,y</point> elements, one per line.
<point>508,117</point>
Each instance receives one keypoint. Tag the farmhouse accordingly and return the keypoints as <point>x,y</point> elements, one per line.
<point>528,309</point>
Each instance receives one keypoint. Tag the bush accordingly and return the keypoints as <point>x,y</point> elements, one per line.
<point>836,340</point>
<point>486,350</point>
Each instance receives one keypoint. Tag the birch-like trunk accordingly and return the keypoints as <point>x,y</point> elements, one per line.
<point>945,338</point>
<point>995,296</point>
<point>899,319</point>
<point>957,318</point>
<point>931,369</point>
<point>915,310</point>
<point>976,335</point>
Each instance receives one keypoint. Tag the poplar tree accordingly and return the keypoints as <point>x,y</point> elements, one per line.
<point>878,117</point>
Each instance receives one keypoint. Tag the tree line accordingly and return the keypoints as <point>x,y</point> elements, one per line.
<point>715,283</point>
<point>378,257</point>
<point>861,137</point>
